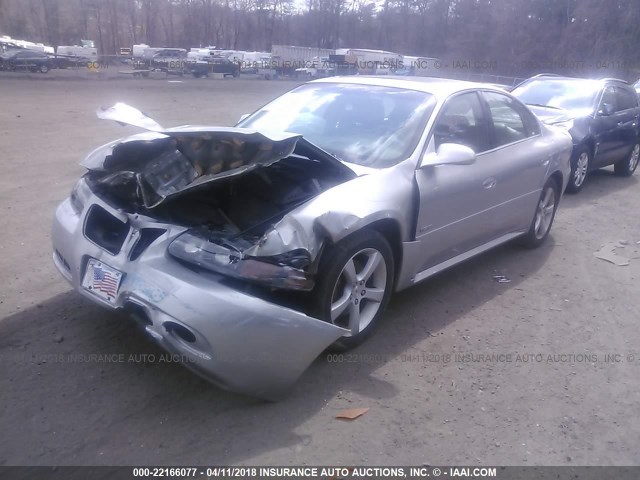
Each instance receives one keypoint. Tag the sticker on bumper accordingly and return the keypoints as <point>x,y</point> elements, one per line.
<point>102,280</point>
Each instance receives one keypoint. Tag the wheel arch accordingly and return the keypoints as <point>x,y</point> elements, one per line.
<point>558,178</point>
<point>590,143</point>
<point>390,229</point>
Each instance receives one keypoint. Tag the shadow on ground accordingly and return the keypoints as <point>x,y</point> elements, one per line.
<point>63,406</point>
<point>599,185</point>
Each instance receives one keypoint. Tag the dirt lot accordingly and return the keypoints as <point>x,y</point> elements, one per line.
<point>562,301</point>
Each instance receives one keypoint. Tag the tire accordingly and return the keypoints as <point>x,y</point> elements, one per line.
<point>628,165</point>
<point>44,68</point>
<point>236,74</point>
<point>543,217</point>
<point>580,163</point>
<point>357,295</point>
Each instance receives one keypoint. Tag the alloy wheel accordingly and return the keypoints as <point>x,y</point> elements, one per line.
<point>544,213</point>
<point>634,157</point>
<point>581,169</point>
<point>359,291</point>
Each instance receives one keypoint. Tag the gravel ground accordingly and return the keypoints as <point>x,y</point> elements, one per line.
<point>551,396</point>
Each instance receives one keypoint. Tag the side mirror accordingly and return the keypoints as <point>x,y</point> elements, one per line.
<point>450,154</point>
<point>605,110</point>
<point>243,116</point>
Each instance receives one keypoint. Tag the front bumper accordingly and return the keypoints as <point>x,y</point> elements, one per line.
<point>236,340</point>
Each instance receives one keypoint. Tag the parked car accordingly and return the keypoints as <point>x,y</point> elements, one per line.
<point>25,59</point>
<point>224,66</point>
<point>602,116</point>
<point>247,251</point>
<point>70,61</point>
<point>168,60</point>
<point>215,65</point>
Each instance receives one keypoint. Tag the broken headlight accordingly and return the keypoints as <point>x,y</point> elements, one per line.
<point>79,196</point>
<point>280,271</point>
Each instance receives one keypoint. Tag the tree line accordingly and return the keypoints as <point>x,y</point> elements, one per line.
<point>512,37</point>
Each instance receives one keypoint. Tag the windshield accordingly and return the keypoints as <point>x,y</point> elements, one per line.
<point>562,93</point>
<point>367,125</point>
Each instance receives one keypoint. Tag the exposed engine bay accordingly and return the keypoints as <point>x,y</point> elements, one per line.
<point>228,186</point>
<point>236,207</point>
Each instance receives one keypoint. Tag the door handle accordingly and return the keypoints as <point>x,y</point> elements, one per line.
<point>489,183</point>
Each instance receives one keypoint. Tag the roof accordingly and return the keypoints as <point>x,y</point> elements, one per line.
<point>552,76</point>
<point>439,87</point>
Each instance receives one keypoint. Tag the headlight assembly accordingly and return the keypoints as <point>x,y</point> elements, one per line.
<point>79,195</point>
<point>280,271</point>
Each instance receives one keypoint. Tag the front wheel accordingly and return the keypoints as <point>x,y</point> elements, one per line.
<point>543,218</point>
<point>580,164</point>
<point>44,68</point>
<point>628,165</point>
<point>355,280</point>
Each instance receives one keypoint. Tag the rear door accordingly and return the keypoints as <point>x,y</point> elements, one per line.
<point>519,159</point>
<point>627,118</point>
<point>21,59</point>
<point>605,129</point>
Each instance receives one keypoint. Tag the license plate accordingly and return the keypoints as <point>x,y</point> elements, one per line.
<point>102,280</point>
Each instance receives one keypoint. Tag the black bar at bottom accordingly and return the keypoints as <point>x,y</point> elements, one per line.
<point>319,472</point>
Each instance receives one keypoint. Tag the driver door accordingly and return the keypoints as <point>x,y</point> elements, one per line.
<point>456,200</point>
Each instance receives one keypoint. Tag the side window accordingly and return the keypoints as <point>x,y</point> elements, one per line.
<point>461,122</point>
<point>609,97</point>
<point>508,119</point>
<point>626,98</point>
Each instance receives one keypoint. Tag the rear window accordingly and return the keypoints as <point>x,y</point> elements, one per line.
<point>568,94</point>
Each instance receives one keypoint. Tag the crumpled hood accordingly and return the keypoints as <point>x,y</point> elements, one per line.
<point>169,161</point>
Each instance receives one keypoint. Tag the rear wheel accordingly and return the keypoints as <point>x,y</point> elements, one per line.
<point>355,281</point>
<point>580,164</point>
<point>543,218</point>
<point>44,68</point>
<point>628,165</point>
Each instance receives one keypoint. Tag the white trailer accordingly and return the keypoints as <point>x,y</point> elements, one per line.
<point>319,67</point>
<point>15,43</point>
<point>421,65</point>
<point>257,62</point>
<point>368,61</point>
<point>138,50</point>
<point>286,59</point>
<point>89,53</point>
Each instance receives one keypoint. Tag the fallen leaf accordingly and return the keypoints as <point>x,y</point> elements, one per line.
<point>352,413</point>
<point>607,253</point>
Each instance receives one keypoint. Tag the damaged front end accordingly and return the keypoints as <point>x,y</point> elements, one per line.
<point>179,227</point>
<point>227,186</point>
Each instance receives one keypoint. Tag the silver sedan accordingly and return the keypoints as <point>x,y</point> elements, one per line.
<point>247,251</point>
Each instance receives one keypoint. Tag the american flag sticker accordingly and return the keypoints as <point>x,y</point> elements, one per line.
<point>102,280</point>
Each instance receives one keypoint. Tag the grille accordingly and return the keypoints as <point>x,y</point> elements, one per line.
<point>147,237</point>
